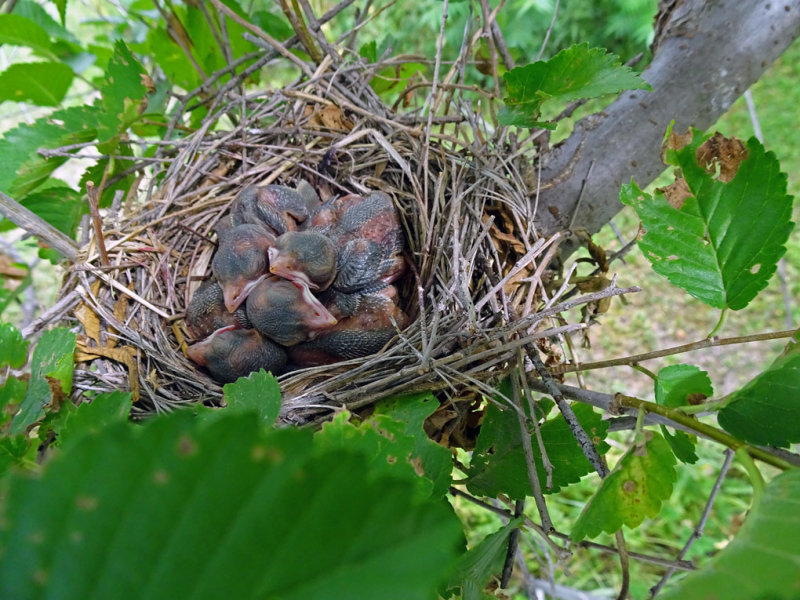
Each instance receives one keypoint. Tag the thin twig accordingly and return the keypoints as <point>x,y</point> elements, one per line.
<point>628,361</point>
<point>701,524</point>
<point>513,543</point>
<point>584,441</point>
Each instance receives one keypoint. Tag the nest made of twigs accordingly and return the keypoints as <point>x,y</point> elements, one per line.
<point>476,262</point>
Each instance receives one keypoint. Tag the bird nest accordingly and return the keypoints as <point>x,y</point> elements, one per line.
<point>474,291</point>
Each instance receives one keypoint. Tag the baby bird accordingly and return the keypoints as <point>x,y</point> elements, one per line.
<point>207,313</point>
<point>278,310</point>
<point>240,262</point>
<point>365,332</point>
<point>275,207</point>
<point>230,353</point>
<point>306,258</point>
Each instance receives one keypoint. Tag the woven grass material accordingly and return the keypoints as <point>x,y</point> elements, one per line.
<point>476,263</point>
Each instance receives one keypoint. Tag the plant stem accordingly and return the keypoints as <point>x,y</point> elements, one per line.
<point>719,324</point>
<point>756,479</point>
<point>621,400</point>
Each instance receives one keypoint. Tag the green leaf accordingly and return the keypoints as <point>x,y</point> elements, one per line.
<point>428,458</point>
<point>22,169</point>
<point>62,10</point>
<point>498,462</point>
<point>13,349</point>
<point>17,30</point>
<point>392,445</point>
<point>761,562</point>
<point>258,392</point>
<point>17,451</point>
<point>31,10</point>
<point>672,388</point>
<point>723,245</point>
<point>369,51</point>
<point>122,92</point>
<point>91,417</point>
<point>574,73</point>
<point>173,509</point>
<point>40,83</point>
<point>478,564</point>
<point>395,78</point>
<point>11,392</point>
<point>62,207</point>
<point>766,411</point>
<point>634,490</point>
<point>51,372</point>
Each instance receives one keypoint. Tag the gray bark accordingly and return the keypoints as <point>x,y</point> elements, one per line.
<point>708,54</point>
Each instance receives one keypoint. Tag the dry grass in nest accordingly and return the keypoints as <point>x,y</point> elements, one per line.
<point>476,262</point>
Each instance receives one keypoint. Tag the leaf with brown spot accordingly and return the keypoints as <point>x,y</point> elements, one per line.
<point>723,154</point>
<point>634,490</point>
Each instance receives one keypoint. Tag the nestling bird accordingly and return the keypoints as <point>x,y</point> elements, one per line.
<point>230,353</point>
<point>278,310</point>
<point>275,207</point>
<point>364,333</point>
<point>207,313</point>
<point>240,262</point>
<point>306,258</point>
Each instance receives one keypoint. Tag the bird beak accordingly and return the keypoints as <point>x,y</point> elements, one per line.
<point>235,295</point>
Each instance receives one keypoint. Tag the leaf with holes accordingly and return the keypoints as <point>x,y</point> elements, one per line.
<point>673,387</point>
<point>392,438</point>
<point>762,560</point>
<point>52,363</point>
<point>227,509</point>
<point>723,244</point>
<point>633,491</point>
<point>574,73</point>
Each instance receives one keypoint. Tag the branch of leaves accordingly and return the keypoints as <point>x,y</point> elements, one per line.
<point>719,230</point>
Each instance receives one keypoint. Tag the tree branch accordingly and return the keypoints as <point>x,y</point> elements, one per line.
<point>699,69</point>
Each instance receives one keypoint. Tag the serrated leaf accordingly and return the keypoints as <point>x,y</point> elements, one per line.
<point>122,93</point>
<point>478,564</point>
<point>52,363</point>
<point>762,561</point>
<point>766,410</point>
<point>258,392</point>
<point>723,244</point>
<point>384,442</point>
<point>672,388</point>
<point>17,30</point>
<point>13,349</point>
<point>91,417</point>
<point>498,462</point>
<point>21,168</point>
<point>633,491</point>
<point>428,458</point>
<point>574,73</point>
<point>40,83</point>
<point>173,509</point>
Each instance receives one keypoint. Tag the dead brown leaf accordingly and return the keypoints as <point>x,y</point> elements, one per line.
<point>676,192</point>
<point>124,354</point>
<point>725,154</point>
